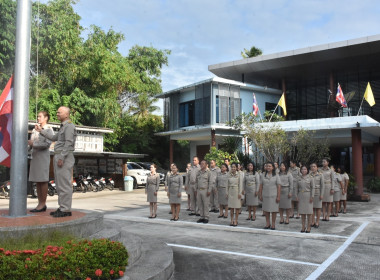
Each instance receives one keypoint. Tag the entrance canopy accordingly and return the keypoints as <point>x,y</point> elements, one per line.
<point>337,130</point>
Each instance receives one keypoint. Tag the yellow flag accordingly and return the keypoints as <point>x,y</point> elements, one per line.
<point>281,103</point>
<point>368,95</point>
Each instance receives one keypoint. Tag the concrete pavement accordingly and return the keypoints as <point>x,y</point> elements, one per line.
<point>347,247</point>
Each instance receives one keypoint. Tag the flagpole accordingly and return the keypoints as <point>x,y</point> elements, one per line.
<point>19,154</point>
<point>273,112</point>
<point>360,106</point>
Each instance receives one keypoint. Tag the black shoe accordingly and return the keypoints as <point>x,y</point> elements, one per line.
<point>56,211</point>
<point>170,212</point>
<point>220,216</point>
<point>61,214</point>
<point>200,221</point>
<point>268,227</point>
<point>198,215</point>
<point>205,221</point>
<point>43,209</point>
<point>192,214</point>
<point>188,209</point>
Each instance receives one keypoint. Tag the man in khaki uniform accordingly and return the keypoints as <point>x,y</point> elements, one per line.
<point>63,160</point>
<point>203,192</point>
<point>214,193</point>
<point>191,179</point>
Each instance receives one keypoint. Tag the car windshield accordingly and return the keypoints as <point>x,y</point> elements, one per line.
<point>134,166</point>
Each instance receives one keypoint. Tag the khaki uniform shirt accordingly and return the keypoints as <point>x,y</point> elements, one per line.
<point>191,176</point>
<point>65,139</point>
<point>203,180</point>
<point>214,174</point>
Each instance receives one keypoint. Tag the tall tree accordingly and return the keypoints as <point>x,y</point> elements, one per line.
<point>7,39</point>
<point>252,52</point>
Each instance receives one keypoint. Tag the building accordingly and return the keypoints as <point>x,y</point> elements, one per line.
<point>309,78</point>
<point>200,112</point>
<point>90,156</point>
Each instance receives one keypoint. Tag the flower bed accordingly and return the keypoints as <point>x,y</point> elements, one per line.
<point>83,259</point>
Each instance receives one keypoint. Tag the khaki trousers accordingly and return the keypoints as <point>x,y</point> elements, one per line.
<point>203,202</point>
<point>214,200</point>
<point>193,199</point>
<point>63,181</point>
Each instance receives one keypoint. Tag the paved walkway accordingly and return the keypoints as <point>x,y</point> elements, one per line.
<point>347,247</point>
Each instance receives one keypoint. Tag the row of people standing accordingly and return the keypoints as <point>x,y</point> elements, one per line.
<point>277,189</point>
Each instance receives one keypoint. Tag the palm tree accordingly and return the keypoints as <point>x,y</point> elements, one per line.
<point>142,105</point>
<point>252,52</point>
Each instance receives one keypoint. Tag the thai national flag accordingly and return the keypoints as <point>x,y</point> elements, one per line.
<point>255,106</point>
<point>340,97</point>
<point>6,124</point>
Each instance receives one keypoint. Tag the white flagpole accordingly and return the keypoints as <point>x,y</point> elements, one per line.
<point>360,106</point>
<point>19,160</point>
<point>273,112</point>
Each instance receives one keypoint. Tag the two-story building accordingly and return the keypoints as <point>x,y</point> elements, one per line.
<point>309,78</point>
<point>200,112</point>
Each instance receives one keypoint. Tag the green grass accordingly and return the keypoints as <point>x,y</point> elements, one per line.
<point>36,240</point>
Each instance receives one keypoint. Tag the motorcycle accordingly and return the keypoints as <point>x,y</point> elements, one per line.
<point>110,184</point>
<point>4,188</point>
<point>51,189</point>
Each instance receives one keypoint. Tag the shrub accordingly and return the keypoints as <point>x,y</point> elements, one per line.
<point>84,259</point>
<point>374,185</point>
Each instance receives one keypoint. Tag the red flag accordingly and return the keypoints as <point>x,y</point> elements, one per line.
<point>255,106</point>
<point>6,124</point>
<point>340,97</point>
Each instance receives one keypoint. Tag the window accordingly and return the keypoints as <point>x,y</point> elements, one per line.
<point>227,108</point>
<point>187,114</point>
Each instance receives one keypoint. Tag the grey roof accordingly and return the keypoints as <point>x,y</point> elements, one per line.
<point>360,53</point>
<point>220,80</point>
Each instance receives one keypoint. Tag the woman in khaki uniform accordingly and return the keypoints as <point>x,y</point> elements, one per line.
<point>174,192</point>
<point>343,197</point>
<point>295,171</point>
<point>338,190</point>
<point>151,188</point>
<point>286,180</point>
<point>319,185</point>
<point>234,190</point>
<point>221,186</point>
<point>251,189</point>
<point>305,196</point>
<point>327,200</point>
<point>269,194</point>
<point>40,163</point>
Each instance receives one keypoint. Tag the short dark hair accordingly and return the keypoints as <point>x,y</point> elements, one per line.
<point>273,171</point>
<point>46,114</point>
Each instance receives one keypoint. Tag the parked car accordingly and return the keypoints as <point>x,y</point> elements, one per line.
<point>138,173</point>
<point>159,170</point>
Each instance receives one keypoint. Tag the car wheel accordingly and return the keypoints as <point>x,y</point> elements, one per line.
<point>134,183</point>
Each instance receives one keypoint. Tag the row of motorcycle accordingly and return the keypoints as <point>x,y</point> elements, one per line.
<point>88,183</point>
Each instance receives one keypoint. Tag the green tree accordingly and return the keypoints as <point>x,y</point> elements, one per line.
<point>219,156</point>
<point>305,147</point>
<point>252,52</point>
<point>271,141</point>
<point>7,40</point>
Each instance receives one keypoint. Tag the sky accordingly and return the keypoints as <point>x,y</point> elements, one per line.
<point>204,32</point>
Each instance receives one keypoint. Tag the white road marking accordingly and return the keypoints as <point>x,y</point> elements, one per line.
<point>241,254</point>
<point>210,225</point>
<point>337,253</point>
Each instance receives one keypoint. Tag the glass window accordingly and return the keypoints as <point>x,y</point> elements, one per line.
<point>186,114</point>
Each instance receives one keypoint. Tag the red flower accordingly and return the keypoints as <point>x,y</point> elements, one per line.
<point>88,278</point>
<point>27,259</point>
<point>98,272</point>
<point>26,266</point>
<point>7,253</point>
<point>112,272</point>
<point>121,273</point>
